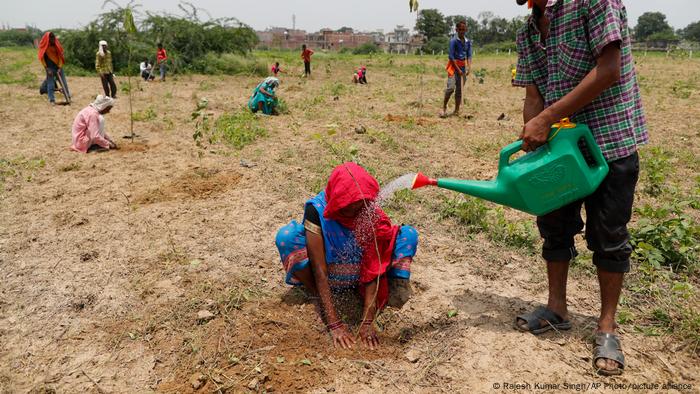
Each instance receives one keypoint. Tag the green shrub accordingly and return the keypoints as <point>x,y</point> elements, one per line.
<point>656,168</point>
<point>187,40</point>
<point>665,237</point>
<point>11,38</point>
<point>469,211</point>
<point>366,49</point>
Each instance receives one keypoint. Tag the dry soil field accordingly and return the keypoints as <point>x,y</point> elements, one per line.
<point>106,259</point>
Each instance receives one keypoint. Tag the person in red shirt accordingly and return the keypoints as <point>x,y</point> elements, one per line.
<point>306,55</point>
<point>161,58</point>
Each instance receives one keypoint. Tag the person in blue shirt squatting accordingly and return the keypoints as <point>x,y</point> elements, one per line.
<point>458,67</point>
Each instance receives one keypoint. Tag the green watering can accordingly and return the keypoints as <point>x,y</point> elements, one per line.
<point>541,181</point>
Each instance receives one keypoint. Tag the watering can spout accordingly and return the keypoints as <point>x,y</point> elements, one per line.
<point>421,180</point>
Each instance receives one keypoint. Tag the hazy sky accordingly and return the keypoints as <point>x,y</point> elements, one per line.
<point>311,15</point>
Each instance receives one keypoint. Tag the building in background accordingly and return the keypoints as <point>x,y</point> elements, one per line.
<point>399,40</point>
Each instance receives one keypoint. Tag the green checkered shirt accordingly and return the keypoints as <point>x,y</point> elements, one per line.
<point>578,32</point>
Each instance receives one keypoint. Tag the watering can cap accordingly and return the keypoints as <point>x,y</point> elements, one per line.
<point>565,123</point>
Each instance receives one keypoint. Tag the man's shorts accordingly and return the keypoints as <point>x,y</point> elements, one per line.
<point>452,82</point>
<point>608,210</point>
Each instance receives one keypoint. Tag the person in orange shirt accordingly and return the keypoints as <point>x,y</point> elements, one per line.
<point>51,57</point>
<point>306,55</point>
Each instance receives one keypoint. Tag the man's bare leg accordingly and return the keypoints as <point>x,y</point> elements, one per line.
<point>610,289</point>
<point>557,275</point>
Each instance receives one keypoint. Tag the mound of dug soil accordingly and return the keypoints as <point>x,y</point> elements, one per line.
<point>197,183</point>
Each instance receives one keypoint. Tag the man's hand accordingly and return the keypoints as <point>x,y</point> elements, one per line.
<point>535,133</point>
<point>342,337</point>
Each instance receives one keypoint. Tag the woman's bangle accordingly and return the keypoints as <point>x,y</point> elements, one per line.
<point>335,325</point>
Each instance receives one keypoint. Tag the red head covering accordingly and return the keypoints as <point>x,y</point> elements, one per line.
<point>350,183</point>
<point>44,45</point>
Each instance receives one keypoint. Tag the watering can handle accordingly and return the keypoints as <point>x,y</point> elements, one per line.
<point>601,163</point>
<point>509,151</point>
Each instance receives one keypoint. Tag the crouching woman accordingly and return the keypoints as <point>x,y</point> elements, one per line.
<point>347,242</point>
<point>264,98</point>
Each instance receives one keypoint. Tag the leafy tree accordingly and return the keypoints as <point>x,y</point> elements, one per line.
<point>651,23</point>
<point>452,21</point>
<point>436,45</point>
<point>345,29</point>
<point>187,39</point>
<point>692,32</point>
<point>431,24</point>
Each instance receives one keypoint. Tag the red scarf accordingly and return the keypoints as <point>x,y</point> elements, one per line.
<point>350,183</point>
<point>44,45</point>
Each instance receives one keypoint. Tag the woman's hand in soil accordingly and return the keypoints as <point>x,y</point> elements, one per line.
<point>369,335</point>
<point>342,337</point>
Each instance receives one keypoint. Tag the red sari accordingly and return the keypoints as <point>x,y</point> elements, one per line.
<point>373,229</point>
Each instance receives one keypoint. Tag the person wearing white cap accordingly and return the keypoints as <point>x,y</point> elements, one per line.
<point>89,127</point>
<point>103,65</point>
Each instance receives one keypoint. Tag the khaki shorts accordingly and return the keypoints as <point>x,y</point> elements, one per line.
<point>452,83</point>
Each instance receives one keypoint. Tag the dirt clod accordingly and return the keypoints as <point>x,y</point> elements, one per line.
<point>413,355</point>
<point>253,384</point>
<point>197,380</point>
<point>204,316</point>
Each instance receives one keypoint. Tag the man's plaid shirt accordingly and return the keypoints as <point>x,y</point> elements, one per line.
<point>578,32</point>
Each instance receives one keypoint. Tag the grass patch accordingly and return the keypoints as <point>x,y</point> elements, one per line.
<point>230,64</point>
<point>237,129</point>
<point>146,115</point>
<point>478,217</point>
<point>70,167</point>
<point>20,167</point>
<point>16,66</point>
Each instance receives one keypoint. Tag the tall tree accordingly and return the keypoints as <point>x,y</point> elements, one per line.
<point>431,23</point>
<point>652,23</point>
<point>692,32</point>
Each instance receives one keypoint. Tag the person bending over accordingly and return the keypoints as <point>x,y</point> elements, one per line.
<point>346,242</point>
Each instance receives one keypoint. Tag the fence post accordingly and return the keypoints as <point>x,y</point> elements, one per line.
<point>497,51</point>
<point>509,51</point>
<point>690,54</point>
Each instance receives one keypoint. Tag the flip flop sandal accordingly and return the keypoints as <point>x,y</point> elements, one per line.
<point>607,346</point>
<point>532,319</point>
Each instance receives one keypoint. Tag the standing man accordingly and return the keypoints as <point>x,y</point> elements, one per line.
<point>161,58</point>
<point>458,66</point>
<point>575,60</point>
<point>306,56</point>
<point>103,65</point>
<point>51,57</point>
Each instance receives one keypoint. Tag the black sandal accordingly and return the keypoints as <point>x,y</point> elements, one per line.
<point>532,319</point>
<point>607,346</point>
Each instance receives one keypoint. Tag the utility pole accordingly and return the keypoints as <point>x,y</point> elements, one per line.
<point>294,22</point>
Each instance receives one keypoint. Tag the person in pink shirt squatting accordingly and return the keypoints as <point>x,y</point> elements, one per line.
<point>89,127</point>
